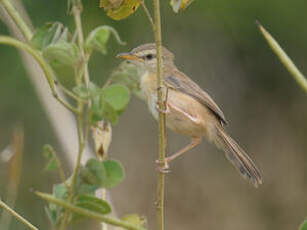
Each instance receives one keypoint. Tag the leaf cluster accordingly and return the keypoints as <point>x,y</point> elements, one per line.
<point>92,176</point>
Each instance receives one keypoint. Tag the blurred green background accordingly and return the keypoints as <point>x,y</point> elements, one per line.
<point>218,45</point>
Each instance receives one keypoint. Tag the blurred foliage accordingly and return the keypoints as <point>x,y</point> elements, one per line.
<point>203,36</point>
<point>303,225</point>
<point>94,175</point>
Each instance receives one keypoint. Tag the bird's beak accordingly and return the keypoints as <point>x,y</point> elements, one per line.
<point>129,56</point>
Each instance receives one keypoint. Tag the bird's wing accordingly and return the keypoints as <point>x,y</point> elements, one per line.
<point>185,85</point>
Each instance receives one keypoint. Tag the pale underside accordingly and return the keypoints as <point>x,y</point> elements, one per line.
<point>192,112</point>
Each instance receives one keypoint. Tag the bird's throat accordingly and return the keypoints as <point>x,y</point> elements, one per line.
<point>148,84</point>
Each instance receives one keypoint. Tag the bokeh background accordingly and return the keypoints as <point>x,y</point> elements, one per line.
<point>218,45</point>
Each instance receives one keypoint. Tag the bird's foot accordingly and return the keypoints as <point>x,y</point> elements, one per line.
<point>165,111</point>
<point>163,167</point>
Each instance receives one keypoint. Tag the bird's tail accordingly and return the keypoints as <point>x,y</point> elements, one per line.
<point>238,157</point>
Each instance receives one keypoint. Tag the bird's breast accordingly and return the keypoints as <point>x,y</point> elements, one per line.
<point>184,114</point>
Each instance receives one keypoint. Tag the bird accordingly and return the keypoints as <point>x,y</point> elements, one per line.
<point>190,111</point>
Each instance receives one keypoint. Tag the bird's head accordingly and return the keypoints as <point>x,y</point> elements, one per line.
<point>145,56</point>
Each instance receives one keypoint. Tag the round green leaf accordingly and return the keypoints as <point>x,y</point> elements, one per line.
<point>114,173</point>
<point>62,54</point>
<point>96,170</point>
<point>117,96</point>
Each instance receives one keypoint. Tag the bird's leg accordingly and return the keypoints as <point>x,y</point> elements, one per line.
<point>166,110</point>
<point>194,142</point>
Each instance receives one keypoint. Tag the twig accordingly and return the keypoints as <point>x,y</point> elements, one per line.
<point>148,15</point>
<point>26,31</point>
<point>17,216</point>
<point>82,138</point>
<point>162,128</point>
<point>69,93</point>
<point>89,214</point>
<point>45,67</point>
<point>76,9</point>
<point>284,58</point>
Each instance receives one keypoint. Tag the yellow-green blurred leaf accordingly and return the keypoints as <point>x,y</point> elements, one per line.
<point>135,219</point>
<point>110,4</point>
<point>180,5</point>
<point>118,10</point>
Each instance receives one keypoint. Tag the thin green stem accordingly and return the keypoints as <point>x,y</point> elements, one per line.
<point>162,128</point>
<point>89,214</point>
<point>17,216</point>
<point>77,9</point>
<point>45,67</point>
<point>25,29</point>
<point>69,93</point>
<point>66,105</point>
<point>284,58</point>
<point>82,137</point>
<point>148,15</point>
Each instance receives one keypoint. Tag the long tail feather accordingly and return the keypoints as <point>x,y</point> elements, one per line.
<point>238,157</point>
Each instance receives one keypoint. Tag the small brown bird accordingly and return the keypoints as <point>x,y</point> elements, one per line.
<point>189,110</point>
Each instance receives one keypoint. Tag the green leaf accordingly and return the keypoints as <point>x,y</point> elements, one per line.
<point>93,203</point>
<point>109,113</point>
<point>101,109</point>
<point>95,173</point>
<point>303,226</point>
<point>49,154</point>
<point>126,74</point>
<point>96,108</point>
<point>117,96</point>
<point>45,35</point>
<point>97,40</point>
<point>62,54</point>
<point>135,219</point>
<point>114,173</point>
<point>60,192</point>
<point>106,174</point>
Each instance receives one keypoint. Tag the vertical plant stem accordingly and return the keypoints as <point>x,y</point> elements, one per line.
<point>162,128</point>
<point>148,15</point>
<point>25,29</point>
<point>77,9</point>
<point>82,137</point>
<point>17,216</point>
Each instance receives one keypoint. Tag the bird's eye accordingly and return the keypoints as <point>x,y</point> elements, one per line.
<point>149,56</point>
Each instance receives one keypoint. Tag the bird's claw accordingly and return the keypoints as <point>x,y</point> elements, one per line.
<point>163,167</point>
<point>165,111</point>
